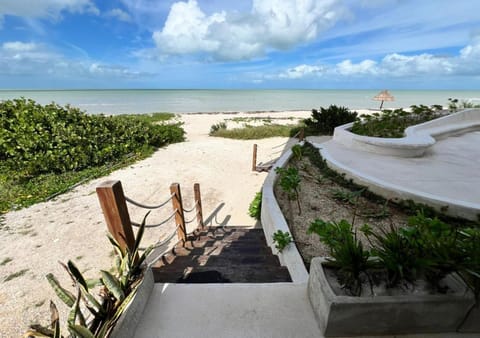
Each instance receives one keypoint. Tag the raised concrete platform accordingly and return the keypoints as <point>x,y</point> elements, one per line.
<point>447,175</point>
<point>418,138</point>
<point>228,310</point>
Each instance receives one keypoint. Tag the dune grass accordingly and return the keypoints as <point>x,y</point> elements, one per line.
<point>249,132</point>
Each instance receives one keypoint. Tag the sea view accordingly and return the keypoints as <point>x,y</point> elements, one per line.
<point>190,101</point>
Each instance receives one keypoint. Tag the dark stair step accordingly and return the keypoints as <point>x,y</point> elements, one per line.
<point>223,248</point>
<point>222,260</point>
<point>226,238</point>
<point>224,275</point>
<point>215,242</point>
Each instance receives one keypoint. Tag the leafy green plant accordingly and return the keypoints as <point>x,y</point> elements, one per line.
<point>289,181</point>
<point>396,254</point>
<point>437,242</point>
<point>347,253</point>
<point>469,267</point>
<point>281,239</point>
<point>392,123</point>
<point>324,121</point>
<point>116,290</point>
<point>255,208</point>
<point>297,152</point>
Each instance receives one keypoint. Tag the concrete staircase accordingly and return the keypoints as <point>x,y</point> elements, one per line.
<point>221,255</point>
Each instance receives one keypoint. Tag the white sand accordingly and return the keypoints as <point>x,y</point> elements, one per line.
<point>72,225</point>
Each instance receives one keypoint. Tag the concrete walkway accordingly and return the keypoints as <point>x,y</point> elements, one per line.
<point>228,310</point>
<point>447,175</point>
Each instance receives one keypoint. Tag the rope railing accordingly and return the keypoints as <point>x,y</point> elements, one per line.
<point>135,224</point>
<point>138,204</point>
<point>192,209</point>
<point>114,206</point>
<point>190,221</point>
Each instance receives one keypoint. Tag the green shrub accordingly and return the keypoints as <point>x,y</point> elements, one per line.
<point>392,123</point>
<point>255,208</point>
<point>347,252</point>
<point>281,239</point>
<point>289,181</point>
<point>396,254</point>
<point>36,139</point>
<point>323,122</point>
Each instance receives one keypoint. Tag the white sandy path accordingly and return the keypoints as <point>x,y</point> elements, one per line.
<point>72,226</point>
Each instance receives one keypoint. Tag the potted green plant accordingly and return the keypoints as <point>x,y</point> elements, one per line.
<point>392,287</point>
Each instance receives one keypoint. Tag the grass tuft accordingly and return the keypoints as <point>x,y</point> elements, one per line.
<point>254,132</point>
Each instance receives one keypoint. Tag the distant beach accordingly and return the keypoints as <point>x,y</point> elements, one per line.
<point>210,101</point>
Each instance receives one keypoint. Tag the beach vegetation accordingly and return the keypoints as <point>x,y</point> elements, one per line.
<point>347,253</point>
<point>289,181</point>
<point>250,132</point>
<point>281,239</point>
<point>90,316</point>
<point>45,149</point>
<point>324,121</point>
<point>216,127</point>
<point>455,104</point>
<point>392,123</point>
<point>255,208</point>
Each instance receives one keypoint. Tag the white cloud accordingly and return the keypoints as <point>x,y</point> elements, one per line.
<point>403,65</point>
<point>120,15</point>
<point>270,25</point>
<point>346,67</point>
<point>398,66</point>
<point>302,71</point>
<point>32,59</point>
<point>18,46</point>
<point>46,8</point>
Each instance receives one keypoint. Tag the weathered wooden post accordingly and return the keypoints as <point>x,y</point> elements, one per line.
<point>178,208</point>
<point>254,160</point>
<point>114,207</point>
<point>301,136</point>
<point>198,205</point>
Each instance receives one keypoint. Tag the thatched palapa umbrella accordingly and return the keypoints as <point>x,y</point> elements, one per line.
<point>384,95</point>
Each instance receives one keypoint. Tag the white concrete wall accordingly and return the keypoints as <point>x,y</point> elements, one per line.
<point>273,220</point>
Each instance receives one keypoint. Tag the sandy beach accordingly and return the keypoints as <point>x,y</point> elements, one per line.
<point>71,227</point>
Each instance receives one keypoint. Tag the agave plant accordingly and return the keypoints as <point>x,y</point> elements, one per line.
<point>117,289</point>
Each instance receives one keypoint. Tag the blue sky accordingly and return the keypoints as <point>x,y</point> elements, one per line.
<point>331,44</point>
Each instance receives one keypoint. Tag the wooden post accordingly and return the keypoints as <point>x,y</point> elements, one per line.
<point>301,136</point>
<point>178,207</point>
<point>198,205</point>
<point>254,160</point>
<point>114,207</point>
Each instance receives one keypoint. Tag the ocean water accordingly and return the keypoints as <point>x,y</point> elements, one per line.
<point>190,101</point>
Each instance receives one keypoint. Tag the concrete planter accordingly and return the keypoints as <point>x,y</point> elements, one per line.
<point>472,322</point>
<point>340,315</point>
<point>126,325</point>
